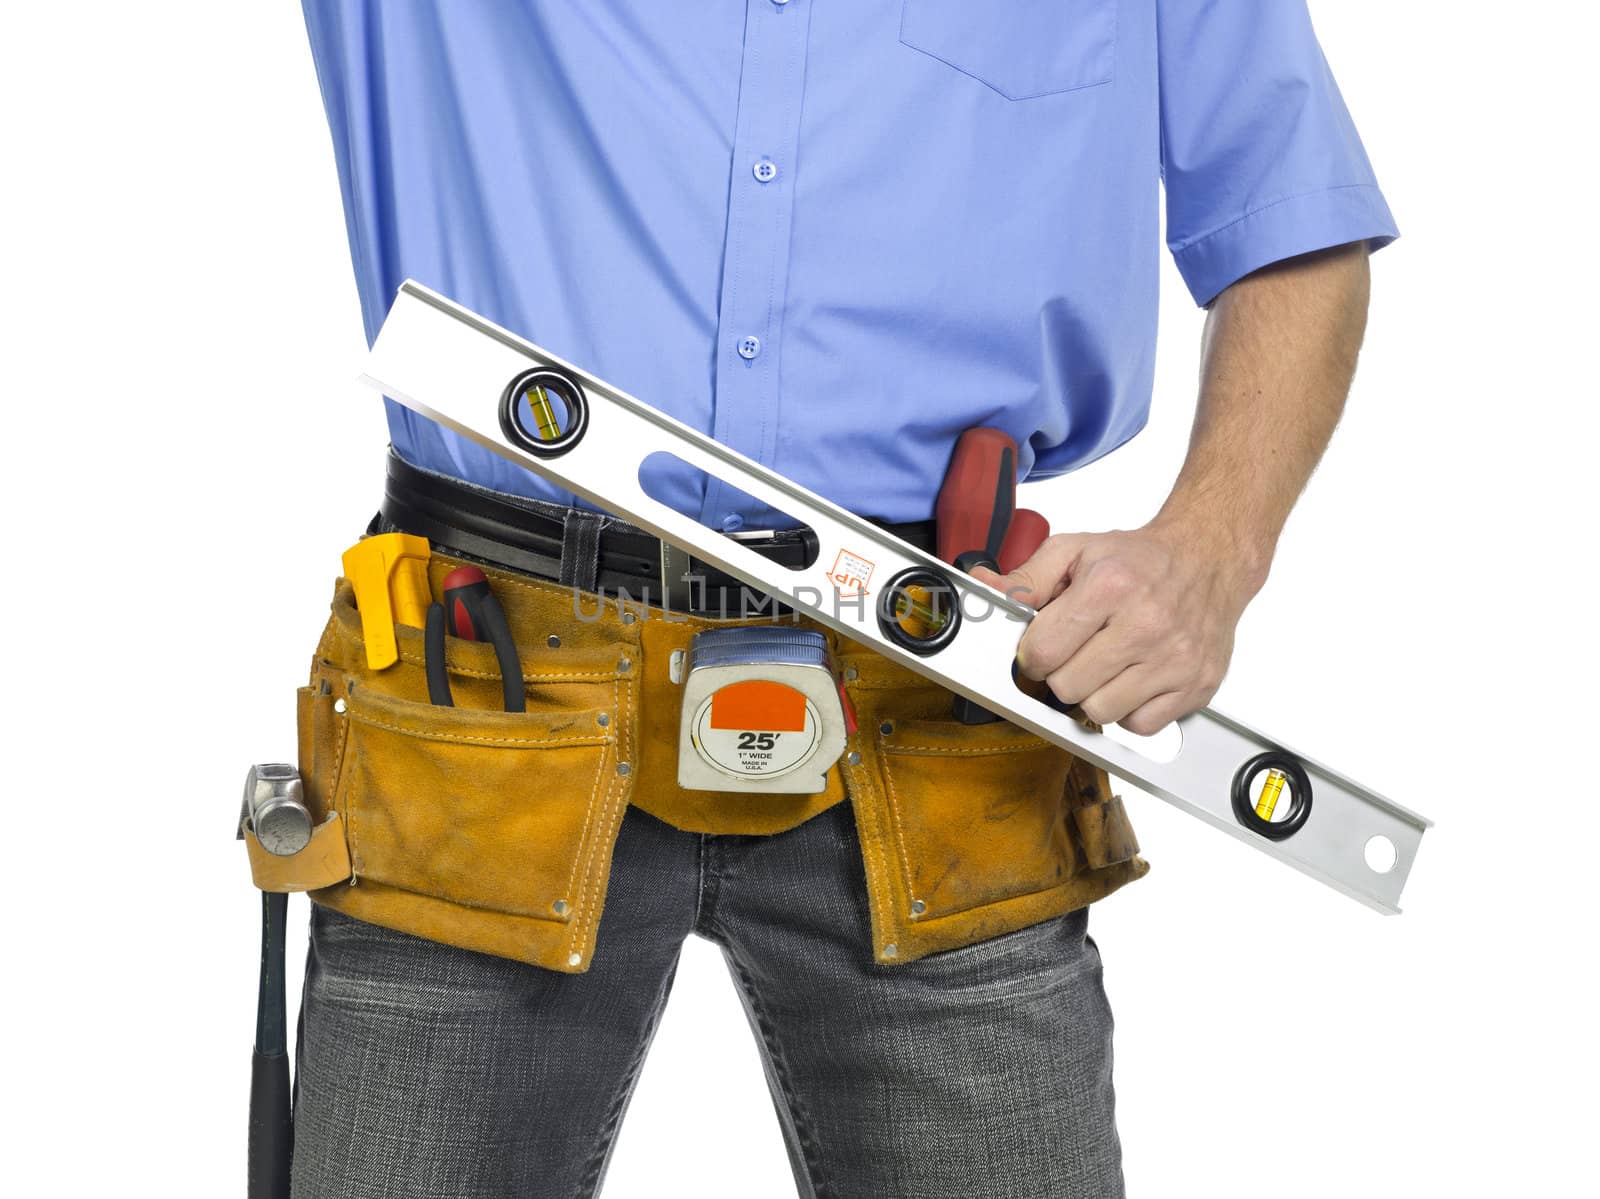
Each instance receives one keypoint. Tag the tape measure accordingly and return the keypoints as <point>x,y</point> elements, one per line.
<point>761,711</point>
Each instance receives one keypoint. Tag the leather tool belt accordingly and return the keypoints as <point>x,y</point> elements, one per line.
<point>492,830</point>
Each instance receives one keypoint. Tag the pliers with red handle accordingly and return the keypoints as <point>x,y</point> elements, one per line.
<point>471,612</point>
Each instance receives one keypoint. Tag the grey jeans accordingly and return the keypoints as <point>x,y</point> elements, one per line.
<point>985,1071</point>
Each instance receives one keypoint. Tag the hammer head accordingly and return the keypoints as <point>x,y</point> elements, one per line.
<point>274,808</point>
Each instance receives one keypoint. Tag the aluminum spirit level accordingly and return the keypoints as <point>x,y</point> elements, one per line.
<point>495,389</point>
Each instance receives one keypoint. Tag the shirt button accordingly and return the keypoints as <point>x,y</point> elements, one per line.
<point>780,3</point>
<point>731,522</point>
<point>749,347</point>
<point>765,170</point>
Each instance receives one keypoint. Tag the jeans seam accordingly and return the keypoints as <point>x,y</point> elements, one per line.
<point>705,904</point>
<point>780,1069</point>
<point>700,879</point>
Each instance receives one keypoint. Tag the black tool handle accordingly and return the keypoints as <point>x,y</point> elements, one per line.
<point>433,658</point>
<point>505,652</point>
<point>271,1144</point>
<point>271,1130</point>
<point>964,709</point>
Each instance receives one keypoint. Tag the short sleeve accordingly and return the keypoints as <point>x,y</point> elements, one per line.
<point>1260,158</point>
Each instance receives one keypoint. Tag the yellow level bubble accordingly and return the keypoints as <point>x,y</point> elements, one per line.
<point>544,414</point>
<point>914,613</point>
<point>1270,790</point>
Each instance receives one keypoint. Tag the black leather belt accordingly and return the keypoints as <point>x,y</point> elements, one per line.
<point>590,550</point>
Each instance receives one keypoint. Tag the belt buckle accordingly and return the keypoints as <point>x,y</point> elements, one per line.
<point>677,575</point>
<point>680,570</point>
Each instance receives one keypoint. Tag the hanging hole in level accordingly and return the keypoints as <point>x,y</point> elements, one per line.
<point>1380,854</point>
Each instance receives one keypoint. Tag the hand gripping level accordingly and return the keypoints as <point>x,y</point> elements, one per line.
<point>494,388</point>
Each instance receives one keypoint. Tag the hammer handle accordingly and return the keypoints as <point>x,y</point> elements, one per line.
<point>271,1145</point>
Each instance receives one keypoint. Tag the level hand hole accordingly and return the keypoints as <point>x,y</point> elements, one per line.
<point>1162,746</point>
<point>670,480</point>
<point>1380,854</point>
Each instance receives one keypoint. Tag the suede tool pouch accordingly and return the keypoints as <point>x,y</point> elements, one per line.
<point>468,825</point>
<point>456,803</point>
<point>970,831</point>
<point>975,810</point>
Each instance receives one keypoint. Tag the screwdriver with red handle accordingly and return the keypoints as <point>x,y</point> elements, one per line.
<point>978,522</point>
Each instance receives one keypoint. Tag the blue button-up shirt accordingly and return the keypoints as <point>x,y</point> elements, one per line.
<point>833,234</point>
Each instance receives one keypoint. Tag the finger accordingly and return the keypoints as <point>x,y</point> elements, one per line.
<point>1060,630</point>
<point>1129,692</point>
<point>1043,576</point>
<point>1098,591</point>
<point>1104,656</point>
<point>1155,714</point>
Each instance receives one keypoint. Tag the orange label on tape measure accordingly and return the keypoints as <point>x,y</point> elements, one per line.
<point>759,704</point>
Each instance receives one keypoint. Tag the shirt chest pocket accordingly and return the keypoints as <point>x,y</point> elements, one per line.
<point>1020,48</point>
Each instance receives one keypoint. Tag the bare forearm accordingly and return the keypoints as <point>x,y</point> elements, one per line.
<point>1279,353</point>
<point>1137,626</point>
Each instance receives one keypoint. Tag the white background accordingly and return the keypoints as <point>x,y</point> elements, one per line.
<point>181,331</point>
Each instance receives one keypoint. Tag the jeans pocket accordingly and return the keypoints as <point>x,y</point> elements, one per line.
<point>1021,48</point>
